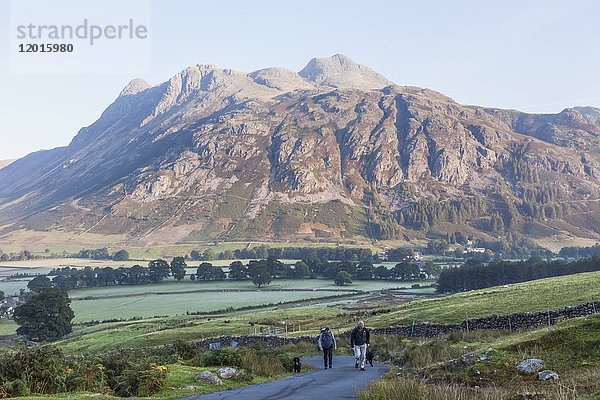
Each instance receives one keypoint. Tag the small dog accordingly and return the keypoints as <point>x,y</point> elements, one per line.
<point>297,364</point>
<point>369,357</point>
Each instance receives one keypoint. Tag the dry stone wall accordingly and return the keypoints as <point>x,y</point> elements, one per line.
<point>510,322</point>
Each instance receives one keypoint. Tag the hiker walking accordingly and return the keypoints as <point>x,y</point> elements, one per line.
<point>359,341</point>
<point>327,345</point>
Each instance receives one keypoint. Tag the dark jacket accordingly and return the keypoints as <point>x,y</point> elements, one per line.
<point>358,337</point>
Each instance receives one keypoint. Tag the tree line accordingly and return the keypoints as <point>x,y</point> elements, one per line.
<point>103,254</point>
<point>579,252</point>
<point>261,272</point>
<point>289,253</point>
<point>428,212</point>
<point>68,278</point>
<point>476,275</point>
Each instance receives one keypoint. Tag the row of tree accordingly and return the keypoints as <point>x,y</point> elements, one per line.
<point>365,270</point>
<point>261,272</point>
<point>579,252</point>
<point>290,253</point>
<point>23,255</point>
<point>476,275</point>
<point>68,278</point>
<point>103,254</point>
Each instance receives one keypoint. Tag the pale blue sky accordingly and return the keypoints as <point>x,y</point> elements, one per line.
<point>536,56</point>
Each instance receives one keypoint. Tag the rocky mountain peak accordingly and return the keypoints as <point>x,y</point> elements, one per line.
<point>341,71</point>
<point>280,78</point>
<point>589,115</point>
<point>135,86</point>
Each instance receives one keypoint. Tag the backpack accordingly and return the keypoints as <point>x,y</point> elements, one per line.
<point>326,340</point>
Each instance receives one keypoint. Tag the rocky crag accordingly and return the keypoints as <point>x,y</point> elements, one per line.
<point>334,152</point>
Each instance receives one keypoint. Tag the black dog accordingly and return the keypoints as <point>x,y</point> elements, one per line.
<point>369,357</point>
<point>297,364</point>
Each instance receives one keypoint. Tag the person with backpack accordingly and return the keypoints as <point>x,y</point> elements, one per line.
<point>359,341</point>
<point>327,344</point>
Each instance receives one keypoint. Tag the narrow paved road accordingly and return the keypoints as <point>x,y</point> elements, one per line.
<point>340,382</point>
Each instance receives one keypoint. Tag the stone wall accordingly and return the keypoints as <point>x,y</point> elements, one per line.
<point>508,322</point>
<point>270,341</point>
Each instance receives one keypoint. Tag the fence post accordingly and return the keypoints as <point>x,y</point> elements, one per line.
<point>467,321</point>
<point>509,324</point>
<point>412,331</point>
<point>594,306</point>
<point>549,316</point>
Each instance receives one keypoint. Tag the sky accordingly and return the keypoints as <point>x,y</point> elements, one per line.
<point>530,55</point>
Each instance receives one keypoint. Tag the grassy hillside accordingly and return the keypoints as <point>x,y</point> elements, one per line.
<point>536,295</point>
<point>571,348</point>
<point>160,331</point>
<point>531,296</point>
<point>340,314</point>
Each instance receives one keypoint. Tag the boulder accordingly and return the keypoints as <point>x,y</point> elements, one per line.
<point>227,372</point>
<point>530,365</point>
<point>547,375</point>
<point>208,376</point>
<point>469,358</point>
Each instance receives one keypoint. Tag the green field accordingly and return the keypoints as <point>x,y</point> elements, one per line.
<point>172,298</point>
<point>539,295</point>
<point>146,305</point>
<point>45,266</point>
<point>172,286</point>
<point>12,288</point>
<point>302,320</point>
<point>7,328</point>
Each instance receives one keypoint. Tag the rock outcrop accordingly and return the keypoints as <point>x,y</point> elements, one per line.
<point>530,365</point>
<point>547,375</point>
<point>207,376</point>
<point>227,372</point>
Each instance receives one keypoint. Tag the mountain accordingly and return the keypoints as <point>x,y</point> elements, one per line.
<point>339,71</point>
<point>334,152</point>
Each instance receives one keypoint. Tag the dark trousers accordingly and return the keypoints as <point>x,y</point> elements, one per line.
<point>328,356</point>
